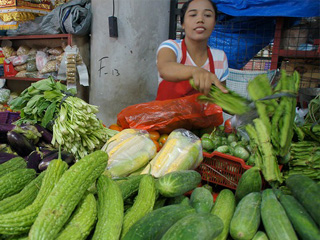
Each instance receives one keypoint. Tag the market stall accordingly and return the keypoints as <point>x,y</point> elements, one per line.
<point>171,169</point>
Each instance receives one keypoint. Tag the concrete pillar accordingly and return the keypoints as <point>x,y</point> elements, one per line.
<point>123,69</point>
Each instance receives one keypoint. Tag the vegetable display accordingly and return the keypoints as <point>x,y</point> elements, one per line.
<point>74,123</point>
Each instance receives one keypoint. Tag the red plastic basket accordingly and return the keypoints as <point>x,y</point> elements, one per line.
<point>222,169</point>
<point>225,170</point>
<point>9,117</point>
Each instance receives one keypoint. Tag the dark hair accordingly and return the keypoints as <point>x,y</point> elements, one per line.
<point>186,5</point>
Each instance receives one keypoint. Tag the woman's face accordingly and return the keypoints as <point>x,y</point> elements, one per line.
<point>199,20</point>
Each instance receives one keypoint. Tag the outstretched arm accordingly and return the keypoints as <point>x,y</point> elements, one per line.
<point>170,70</point>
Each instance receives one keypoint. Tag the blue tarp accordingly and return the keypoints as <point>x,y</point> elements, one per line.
<point>241,38</point>
<point>283,8</point>
<point>246,26</point>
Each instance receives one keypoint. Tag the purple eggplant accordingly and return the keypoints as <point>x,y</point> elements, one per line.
<point>20,144</point>
<point>65,156</point>
<point>4,157</point>
<point>33,160</point>
<point>4,129</point>
<point>46,134</point>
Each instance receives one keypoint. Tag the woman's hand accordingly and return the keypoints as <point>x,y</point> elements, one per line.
<point>203,80</point>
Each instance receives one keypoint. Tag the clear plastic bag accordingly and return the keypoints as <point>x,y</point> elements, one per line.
<point>23,50</point>
<point>20,67</point>
<point>182,151</point>
<point>51,66</point>
<point>19,60</point>
<point>32,74</point>
<point>31,66</point>
<point>129,151</point>
<point>7,51</point>
<point>22,74</point>
<point>55,51</point>
<point>41,60</point>
<point>4,95</point>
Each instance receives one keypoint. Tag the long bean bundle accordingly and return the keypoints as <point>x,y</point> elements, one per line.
<point>231,102</point>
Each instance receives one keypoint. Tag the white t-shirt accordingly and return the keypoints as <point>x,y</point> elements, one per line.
<point>219,58</point>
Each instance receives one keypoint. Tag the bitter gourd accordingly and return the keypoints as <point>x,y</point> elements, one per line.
<point>13,182</point>
<point>67,194</point>
<point>142,205</point>
<point>11,165</point>
<point>22,199</point>
<point>110,211</point>
<point>82,221</point>
<point>18,222</point>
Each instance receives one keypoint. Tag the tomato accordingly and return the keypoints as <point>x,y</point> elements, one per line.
<point>163,138</point>
<point>115,127</point>
<point>227,126</point>
<point>157,145</point>
<point>154,135</point>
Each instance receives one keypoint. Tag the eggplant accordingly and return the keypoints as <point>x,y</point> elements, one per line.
<point>65,156</point>
<point>20,144</point>
<point>33,160</point>
<point>46,135</point>
<point>4,129</point>
<point>4,157</point>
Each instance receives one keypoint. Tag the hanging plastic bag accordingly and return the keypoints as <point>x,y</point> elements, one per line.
<point>168,115</point>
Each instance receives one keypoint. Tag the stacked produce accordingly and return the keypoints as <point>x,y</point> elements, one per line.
<point>271,131</point>
<point>75,125</point>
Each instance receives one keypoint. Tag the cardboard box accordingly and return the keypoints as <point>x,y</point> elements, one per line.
<point>309,70</point>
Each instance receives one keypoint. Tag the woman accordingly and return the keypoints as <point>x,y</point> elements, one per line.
<point>180,60</point>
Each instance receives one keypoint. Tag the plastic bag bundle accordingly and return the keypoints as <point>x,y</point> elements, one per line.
<point>182,151</point>
<point>129,151</point>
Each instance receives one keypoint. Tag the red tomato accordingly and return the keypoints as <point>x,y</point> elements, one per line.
<point>227,126</point>
<point>154,135</point>
<point>115,127</point>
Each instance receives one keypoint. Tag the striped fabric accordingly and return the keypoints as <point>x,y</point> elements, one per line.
<point>219,58</point>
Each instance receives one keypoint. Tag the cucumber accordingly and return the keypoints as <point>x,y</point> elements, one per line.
<point>307,192</point>
<point>246,219</point>
<point>260,236</point>
<point>275,219</point>
<point>201,200</point>
<point>224,208</point>
<point>302,222</point>
<point>176,200</point>
<point>176,183</point>
<point>130,186</point>
<point>154,225</point>
<point>200,226</point>
<point>250,181</point>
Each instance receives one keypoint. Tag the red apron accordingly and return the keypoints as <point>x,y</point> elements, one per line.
<point>171,90</point>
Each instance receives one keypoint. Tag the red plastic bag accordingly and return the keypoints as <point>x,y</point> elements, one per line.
<point>165,116</point>
<point>9,69</point>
